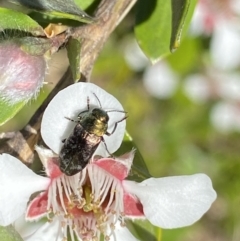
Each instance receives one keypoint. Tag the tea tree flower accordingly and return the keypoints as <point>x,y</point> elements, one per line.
<point>98,199</point>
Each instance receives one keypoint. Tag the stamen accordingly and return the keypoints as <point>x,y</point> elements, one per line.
<point>59,185</point>
<point>89,203</point>
<point>71,233</point>
<point>66,187</point>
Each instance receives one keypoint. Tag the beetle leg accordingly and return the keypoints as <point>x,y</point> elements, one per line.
<point>115,126</point>
<point>102,139</point>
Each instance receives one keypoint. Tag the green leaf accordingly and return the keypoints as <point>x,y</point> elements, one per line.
<point>8,111</point>
<point>11,19</point>
<point>61,15</point>
<point>73,50</point>
<point>153,28</point>
<point>60,9</point>
<point>9,234</point>
<point>160,25</point>
<point>182,11</point>
<point>144,230</point>
<point>83,4</point>
<point>139,170</point>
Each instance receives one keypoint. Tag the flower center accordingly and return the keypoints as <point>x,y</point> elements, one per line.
<point>88,204</point>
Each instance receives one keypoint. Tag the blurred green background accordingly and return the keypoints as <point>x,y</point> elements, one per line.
<point>180,131</point>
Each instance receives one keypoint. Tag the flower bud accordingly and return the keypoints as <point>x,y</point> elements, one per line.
<point>21,74</point>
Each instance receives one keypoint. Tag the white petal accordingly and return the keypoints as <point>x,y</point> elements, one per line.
<point>122,233</point>
<point>69,103</point>
<point>26,228</point>
<point>224,116</point>
<point>229,85</point>
<point>17,183</point>
<point>174,202</point>
<point>225,46</point>
<point>44,155</point>
<point>197,88</point>
<point>47,231</point>
<point>134,56</point>
<point>160,80</point>
<point>198,24</point>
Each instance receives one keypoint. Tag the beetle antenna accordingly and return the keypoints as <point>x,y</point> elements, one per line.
<point>122,111</point>
<point>97,100</point>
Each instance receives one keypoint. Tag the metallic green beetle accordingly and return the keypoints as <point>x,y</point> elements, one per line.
<point>81,144</point>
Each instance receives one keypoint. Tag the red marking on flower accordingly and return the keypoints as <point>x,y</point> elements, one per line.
<point>37,207</point>
<point>132,206</point>
<point>53,170</point>
<point>115,168</point>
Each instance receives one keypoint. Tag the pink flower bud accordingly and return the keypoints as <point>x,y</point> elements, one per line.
<point>21,74</point>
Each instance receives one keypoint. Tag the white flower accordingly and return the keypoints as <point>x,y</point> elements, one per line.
<point>221,19</point>
<point>134,56</point>
<point>69,103</point>
<point>225,116</point>
<point>197,88</point>
<point>96,200</point>
<point>160,80</point>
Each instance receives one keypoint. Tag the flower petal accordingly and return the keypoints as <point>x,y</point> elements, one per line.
<point>132,207</point>
<point>17,183</point>
<point>119,167</point>
<point>47,231</point>
<point>174,202</point>
<point>37,208</point>
<point>24,228</point>
<point>225,46</point>
<point>49,161</point>
<point>69,103</point>
<point>122,233</point>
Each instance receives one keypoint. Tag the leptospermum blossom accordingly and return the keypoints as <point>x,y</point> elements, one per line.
<point>97,200</point>
<point>69,103</point>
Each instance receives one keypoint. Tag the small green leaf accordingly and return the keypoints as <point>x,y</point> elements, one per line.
<point>144,230</point>
<point>60,9</point>
<point>73,50</point>
<point>11,19</point>
<point>8,111</point>
<point>9,234</point>
<point>83,4</point>
<point>182,11</point>
<point>60,15</point>
<point>153,28</point>
<point>139,170</point>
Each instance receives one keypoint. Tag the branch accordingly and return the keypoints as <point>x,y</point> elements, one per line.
<point>109,14</point>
